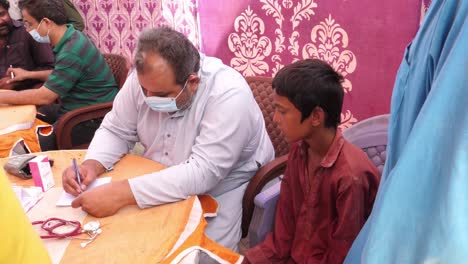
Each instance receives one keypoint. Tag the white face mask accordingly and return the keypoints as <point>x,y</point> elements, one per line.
<point>35,35</point>
<point>163,104</point>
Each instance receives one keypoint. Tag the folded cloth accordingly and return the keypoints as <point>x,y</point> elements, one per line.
<point>16,117</point>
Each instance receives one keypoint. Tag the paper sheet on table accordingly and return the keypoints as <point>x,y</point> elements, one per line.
<point>66,199</point>
<point>28,196</point>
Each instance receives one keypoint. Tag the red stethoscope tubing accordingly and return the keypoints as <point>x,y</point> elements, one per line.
<point>45,225</point>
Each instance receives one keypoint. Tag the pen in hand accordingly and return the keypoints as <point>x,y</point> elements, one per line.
<point>77,173</point>
<point>12,75</point>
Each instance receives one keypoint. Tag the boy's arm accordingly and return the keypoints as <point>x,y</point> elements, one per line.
<point>352,205</point>
<point>276,248</point>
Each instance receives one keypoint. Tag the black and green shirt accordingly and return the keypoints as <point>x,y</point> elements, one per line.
<point>81,76</point>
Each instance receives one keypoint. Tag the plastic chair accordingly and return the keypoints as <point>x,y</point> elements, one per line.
<point>63,130</point>
<point>369,134</point>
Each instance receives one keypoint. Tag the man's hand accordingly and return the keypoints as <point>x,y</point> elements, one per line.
<point>106,199</point>
<point>19,74</point>
<point>89,171</point>
<point>4,85</point>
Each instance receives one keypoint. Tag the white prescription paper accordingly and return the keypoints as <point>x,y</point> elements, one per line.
<point>66,199</point>
<point>28,196</point>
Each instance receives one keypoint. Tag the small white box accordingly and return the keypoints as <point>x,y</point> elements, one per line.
<point>41,172</point>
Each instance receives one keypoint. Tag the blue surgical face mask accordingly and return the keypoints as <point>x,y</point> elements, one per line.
<point>35,35</point>
<point>164,104</point>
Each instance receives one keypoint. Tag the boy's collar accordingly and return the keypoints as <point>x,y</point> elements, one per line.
<point>332,154</point>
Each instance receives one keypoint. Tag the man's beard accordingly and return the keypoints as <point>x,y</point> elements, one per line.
<point>4,30</point>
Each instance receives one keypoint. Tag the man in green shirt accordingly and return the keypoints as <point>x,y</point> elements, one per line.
<point>81,76</point>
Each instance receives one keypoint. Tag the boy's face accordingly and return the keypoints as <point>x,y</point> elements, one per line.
<point>288,118</point>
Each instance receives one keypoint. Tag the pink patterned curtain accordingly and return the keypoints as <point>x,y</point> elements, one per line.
<point>364,40</point>
<point>424,7</point>
<point>114,26</point>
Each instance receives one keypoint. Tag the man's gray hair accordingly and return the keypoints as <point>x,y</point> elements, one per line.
<point>172,46</point>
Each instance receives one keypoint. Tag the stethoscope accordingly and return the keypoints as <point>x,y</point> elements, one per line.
<point>60,228</point>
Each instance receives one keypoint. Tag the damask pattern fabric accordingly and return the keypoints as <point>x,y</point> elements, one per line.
<point>114,26</point>
<point>363,40</point>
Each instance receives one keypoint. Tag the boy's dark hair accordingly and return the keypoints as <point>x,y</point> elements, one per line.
<point>39,9</point>
<point>310,83</point>
<point>5,4</point>
<point>171,45</point>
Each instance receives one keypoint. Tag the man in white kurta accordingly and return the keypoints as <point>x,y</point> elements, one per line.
<point>213,146</point>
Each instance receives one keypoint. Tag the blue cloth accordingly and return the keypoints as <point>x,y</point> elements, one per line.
<point>421,211</point>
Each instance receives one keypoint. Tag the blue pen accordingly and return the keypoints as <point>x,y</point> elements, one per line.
<point>77,173</point>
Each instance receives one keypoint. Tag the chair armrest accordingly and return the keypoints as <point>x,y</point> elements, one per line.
<point>63,129</point>
<point>264,198</point>
<point>265,174</point>
<point>263,217</point>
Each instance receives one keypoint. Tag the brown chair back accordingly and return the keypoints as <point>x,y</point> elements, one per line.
<point>119,67</point>
<point>65,125</point>
<point>263,93</point>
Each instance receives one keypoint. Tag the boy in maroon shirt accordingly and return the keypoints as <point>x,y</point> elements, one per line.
<point>329,185</point>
